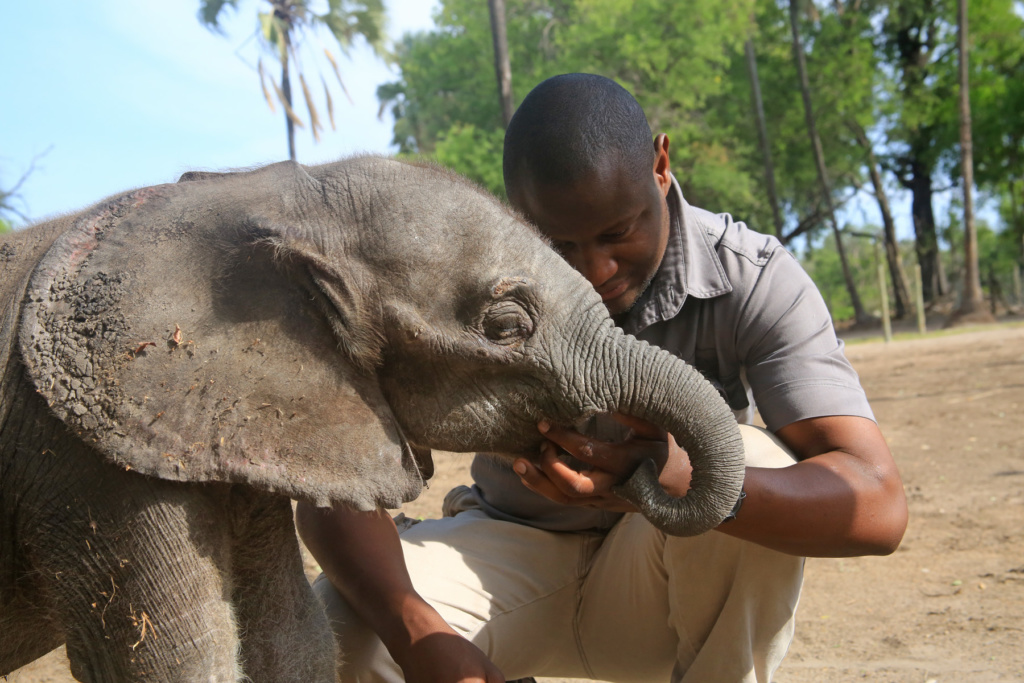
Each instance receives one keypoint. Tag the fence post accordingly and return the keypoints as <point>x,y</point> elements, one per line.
<point>919,299</point>
<point>883,290</point>
<point>1016,285</point>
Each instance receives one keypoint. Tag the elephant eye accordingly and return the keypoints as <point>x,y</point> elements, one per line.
<point>507,322</point>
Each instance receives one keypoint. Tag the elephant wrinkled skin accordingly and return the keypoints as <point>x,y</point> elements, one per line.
<point>180,360</point>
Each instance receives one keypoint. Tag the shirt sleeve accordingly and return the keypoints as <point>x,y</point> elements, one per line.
<point>794,362</point>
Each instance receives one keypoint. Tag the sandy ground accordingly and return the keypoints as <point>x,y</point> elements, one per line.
<point>948,606</point>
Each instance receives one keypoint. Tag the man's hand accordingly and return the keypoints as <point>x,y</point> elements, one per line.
<point>610,463</point>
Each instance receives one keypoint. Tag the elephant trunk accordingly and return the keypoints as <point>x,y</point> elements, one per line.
<point>652,384</point>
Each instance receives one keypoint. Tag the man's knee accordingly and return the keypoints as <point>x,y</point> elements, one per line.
<point>764,449</point>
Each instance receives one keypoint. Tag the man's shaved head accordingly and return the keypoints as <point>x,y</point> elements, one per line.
<point>574,127</point>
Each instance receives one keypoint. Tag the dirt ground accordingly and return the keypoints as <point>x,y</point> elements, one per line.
<point>948,606</point>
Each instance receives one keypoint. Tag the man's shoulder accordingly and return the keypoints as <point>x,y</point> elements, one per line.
<point>727,236</point>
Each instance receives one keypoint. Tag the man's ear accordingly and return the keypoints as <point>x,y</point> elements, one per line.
<point>662,168</point>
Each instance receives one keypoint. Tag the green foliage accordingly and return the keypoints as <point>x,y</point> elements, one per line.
<point>997,253</point>
<point>474,153</point>
<point>823,265</point>
<point>692,83</point>
<point>997,100</point>
<point>886,67</point>
<point>5,226</point>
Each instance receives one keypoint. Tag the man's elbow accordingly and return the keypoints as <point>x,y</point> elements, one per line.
<point>887,525</point>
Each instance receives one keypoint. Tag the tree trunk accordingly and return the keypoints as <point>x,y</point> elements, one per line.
<point>819,160</point>
<point>901,289</point>
<point>1015,220</point>
<point>286,88</point>
<point>972,305</point>
<point>502,64</point>
<point>762,134</point>
<point>933,279</point>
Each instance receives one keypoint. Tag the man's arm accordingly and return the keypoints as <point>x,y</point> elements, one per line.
<point>843,499</point>
<point>361,555</point>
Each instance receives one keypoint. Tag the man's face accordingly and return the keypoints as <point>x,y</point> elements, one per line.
<point>610,227</point>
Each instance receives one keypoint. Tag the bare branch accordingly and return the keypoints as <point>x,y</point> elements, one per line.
<point>6,196</point>
<point>812,221</point>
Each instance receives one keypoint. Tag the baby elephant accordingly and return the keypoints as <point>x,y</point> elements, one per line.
<point>180,360</point>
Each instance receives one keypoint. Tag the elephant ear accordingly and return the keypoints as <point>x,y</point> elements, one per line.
<point>180,346</point>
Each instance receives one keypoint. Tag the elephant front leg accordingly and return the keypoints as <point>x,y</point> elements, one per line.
<point>285,634</point>
<point>136,572</point>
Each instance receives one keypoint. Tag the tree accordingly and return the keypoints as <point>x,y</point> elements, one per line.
<point>915,47</point>
<point>762,134</point>
<point>971,305</point>
<point>819,159</point>
<point>285,26</point>
<point>826,269</point>
<point>881,75</point>
<point>997,98</point>
<point>443,102</point>
<point>841,73</point>
<point>502,67</point>
<point>901,288</point>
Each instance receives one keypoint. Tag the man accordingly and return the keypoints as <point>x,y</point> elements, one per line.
<point>541,570</point>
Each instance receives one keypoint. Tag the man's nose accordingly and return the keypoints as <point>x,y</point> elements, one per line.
<point>595,263</point>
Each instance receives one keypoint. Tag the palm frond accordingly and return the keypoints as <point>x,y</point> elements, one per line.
<point>287,25</point>
<point>210,11</point>
<point>337,72</point>
<point>273,33</point>
<point>367,18</point>
<point>263,86</point>
<point>287,107</point>
<point>314,118</point>
<point>330,102</point>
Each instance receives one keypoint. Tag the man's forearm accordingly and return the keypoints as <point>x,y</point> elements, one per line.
<point>361,555</point>
<point>834,503</point>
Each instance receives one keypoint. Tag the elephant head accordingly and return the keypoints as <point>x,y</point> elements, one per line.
<point>315,330</point>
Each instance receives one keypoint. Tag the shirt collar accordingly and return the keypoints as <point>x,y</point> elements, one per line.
<point>690,267</point>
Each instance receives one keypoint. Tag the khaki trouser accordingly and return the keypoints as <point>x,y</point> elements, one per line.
<point>632,605</point>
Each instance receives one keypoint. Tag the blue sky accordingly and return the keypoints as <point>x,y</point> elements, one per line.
<point>114,94</point>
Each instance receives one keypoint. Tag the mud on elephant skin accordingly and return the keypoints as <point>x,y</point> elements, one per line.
<point>180,360</point>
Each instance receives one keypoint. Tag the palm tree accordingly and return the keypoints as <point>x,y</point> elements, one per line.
<point>284,27</point>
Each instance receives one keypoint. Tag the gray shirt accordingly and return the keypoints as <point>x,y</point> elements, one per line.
<point>736,305</point>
